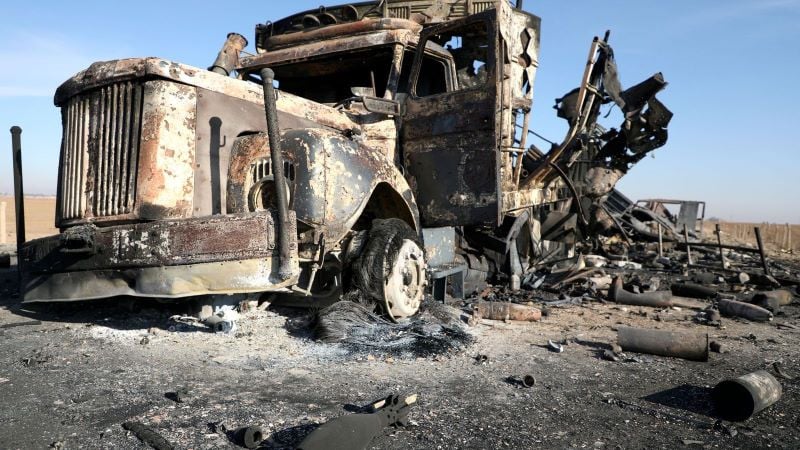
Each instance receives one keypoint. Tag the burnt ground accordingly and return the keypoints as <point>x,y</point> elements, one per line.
<point>73,379</point>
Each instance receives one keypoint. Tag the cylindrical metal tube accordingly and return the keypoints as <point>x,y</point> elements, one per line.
<point>274,134</point>
<point>692,290</point>
<point>739,398</point>
<point>733,308</point>
<point>19,195</point>
<point>528,381</point>
<point>228,57</point>
<point>508,311</point>
<point>692,346</point>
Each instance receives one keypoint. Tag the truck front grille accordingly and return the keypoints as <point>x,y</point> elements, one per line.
<point>99,152</point>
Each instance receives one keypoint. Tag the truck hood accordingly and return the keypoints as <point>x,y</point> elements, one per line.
<point>105,72</point>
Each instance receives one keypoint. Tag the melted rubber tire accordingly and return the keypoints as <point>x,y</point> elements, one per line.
<point>386,237</point>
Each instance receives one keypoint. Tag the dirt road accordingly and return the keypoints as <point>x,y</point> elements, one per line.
<point>71,381</point>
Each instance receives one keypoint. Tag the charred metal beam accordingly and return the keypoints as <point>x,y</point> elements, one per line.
<point>19,195</point>
<point>271,111</point>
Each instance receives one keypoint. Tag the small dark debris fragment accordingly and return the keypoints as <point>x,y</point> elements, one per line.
<point>148,435</point>
<point>778,367</point>
<point>609,355</point>
<point>715,347</point>
<point>180,395</point>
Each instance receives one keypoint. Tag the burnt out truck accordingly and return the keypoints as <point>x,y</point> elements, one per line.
<point>381,146</point>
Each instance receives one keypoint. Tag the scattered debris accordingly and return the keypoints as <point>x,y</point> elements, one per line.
<point>223,321</point>
<point>555,347</point>
<point>356,431</point>
<point>778,367</point>
<point>739,398</point>
<point>180,395</point>
<point>734,308</point>
<point>148,435</point>
<point>507,311</point>
<point>690,346</point>
<point>528,381</point>
<point>251,436</point>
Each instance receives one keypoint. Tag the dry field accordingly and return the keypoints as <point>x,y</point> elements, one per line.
<point>779,238</point>
<point>40,214</point>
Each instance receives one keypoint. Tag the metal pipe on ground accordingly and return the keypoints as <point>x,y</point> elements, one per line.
<point>657,299</point>
<point>507,311</point>
<point>274,134</point>
<point>733,308</point>
<point>692,290</point>
<point>780,297</point>
<point>691,346</point>
<point>740,398</point>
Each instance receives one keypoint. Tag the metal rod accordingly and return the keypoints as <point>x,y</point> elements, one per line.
<point>761,250</point>
<point>274,134</point>
<point>660,241</point>
<point>719,241</point>
<point>19,195</point>
<point>688,248</point>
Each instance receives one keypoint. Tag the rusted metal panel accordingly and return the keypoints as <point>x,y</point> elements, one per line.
<point>221,119</point>
<point>153,244</point>
<point>451,150</point>
<point>334,177</point>
<point>166,156</point>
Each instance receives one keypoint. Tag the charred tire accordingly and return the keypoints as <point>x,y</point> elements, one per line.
<point>391,269</point>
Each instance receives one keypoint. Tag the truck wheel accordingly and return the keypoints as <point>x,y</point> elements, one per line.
<point>391,269</point>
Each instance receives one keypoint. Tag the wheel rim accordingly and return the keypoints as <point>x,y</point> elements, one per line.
<point>405,284</point>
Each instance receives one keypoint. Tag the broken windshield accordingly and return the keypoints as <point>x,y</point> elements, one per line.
<point>330,79</point>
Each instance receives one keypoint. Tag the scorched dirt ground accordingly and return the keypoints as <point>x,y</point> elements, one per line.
<point>71,381</point>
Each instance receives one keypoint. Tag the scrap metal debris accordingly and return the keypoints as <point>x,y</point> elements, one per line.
<point>356,431</point>
<point>148,435</point>
<point>740,398</point>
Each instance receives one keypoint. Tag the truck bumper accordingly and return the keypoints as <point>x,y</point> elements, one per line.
<point>165,259</point>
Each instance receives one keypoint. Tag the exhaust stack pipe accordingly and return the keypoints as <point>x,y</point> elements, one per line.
<point>228,57</point>
<point>274,134</point>
<point>19,195</point>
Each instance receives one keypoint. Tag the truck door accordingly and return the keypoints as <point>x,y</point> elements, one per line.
<point>449,139</point>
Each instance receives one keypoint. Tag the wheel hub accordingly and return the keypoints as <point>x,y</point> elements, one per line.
<point>405,283</point>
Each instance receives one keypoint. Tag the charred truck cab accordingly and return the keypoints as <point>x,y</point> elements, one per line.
<point>403,135</point>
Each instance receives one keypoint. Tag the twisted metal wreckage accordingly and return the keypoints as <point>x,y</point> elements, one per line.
<point>400,130</point>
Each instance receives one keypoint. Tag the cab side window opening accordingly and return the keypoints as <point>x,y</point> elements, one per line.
<point>432,75</point>
<point>469,46</point>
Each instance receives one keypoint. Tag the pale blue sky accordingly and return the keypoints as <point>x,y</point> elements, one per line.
<point>733,68</point>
